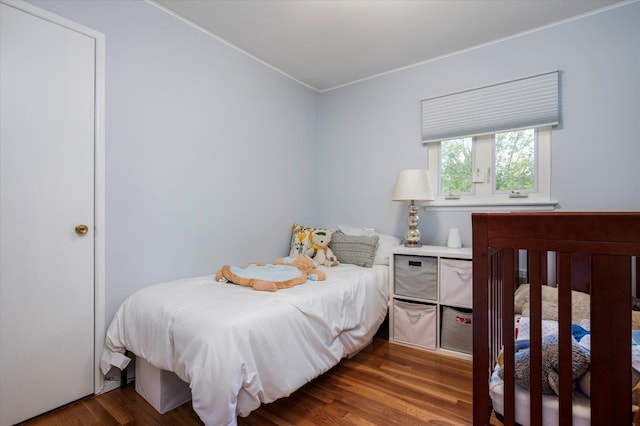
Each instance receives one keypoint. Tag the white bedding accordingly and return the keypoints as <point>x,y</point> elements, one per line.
<point>238,348</point>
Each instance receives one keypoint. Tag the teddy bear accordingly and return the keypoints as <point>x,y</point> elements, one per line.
<point>550,378</point>
<point>320,252</point>
<point>283,273</point>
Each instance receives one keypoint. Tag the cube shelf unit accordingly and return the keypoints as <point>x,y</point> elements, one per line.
<point>431,299</point>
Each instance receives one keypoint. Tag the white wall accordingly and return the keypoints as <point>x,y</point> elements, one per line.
<point>211,155</point>
<point>370,130</point>
<point>206,149</point>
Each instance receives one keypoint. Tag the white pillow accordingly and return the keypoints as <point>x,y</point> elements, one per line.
<point>386,242</point>
<point>352,230</point>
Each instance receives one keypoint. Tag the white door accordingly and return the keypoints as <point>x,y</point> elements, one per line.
<point>47,89</point>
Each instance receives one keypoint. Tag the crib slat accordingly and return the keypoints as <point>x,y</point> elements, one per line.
<point>564,331</point>
<point>581,272</point>
<point>496,298</point>
<point>540,268</point>
<point>610,340</point>
<point>481,326</point>
<point>496,312</point>
<point>637,289</point>
<point>535,324</point>
<point>508,289</point>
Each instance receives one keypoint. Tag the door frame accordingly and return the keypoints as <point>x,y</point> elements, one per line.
<point>99,174</point>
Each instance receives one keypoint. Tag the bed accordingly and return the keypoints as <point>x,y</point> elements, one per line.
<point>238,348</point>
<point>597,253</point>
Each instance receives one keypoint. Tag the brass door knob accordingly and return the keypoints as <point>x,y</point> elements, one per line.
<point>82,229</point>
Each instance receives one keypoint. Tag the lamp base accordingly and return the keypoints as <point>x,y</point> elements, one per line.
<point>413,245</point>
<point>412,236</point>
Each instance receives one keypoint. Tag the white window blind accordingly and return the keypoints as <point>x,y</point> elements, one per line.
<point>523,103</point>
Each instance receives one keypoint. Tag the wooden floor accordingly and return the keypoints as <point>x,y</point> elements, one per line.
<point>386,384</point>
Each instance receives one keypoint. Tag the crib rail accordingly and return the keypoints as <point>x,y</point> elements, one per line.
<point>594,252</point>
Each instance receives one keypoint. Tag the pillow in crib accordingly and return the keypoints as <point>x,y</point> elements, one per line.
<point>635,320</point>
<point>549,311</point>
<point>521,296</point>
<point>581,302</point>
<point>580,306</point>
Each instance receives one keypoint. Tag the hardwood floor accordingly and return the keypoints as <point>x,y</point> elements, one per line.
<point>385,384</point>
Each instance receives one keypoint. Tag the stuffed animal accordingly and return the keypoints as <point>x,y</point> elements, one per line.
<point>320,252</point>
<point>585,385</point>
<point>579,364</point>
<point>284,272</point>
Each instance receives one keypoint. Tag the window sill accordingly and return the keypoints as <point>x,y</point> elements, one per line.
<point>522,204</point>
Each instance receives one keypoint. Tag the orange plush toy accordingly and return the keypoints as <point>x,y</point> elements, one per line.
<point>284,272</point>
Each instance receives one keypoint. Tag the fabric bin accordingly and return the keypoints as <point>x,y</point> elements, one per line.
<point>457,330</point>
<point>456,282</point>
<point>414,323</point>
<point>416,276</point>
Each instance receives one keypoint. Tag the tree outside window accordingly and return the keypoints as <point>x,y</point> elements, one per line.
<point>492,168</point>
<point>514,154</point>
<point>456,162</point>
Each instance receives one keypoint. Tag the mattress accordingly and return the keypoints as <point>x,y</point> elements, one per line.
<point>238,348</point>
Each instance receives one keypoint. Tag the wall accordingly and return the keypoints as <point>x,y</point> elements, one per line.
<point>370,130</point>
<point>206,149</point>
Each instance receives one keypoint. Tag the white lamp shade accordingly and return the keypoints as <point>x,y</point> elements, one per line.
<point>412,184</point>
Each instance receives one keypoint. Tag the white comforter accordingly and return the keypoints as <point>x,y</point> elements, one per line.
<point>238,348</point>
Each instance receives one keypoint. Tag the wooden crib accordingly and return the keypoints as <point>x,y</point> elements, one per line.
<point>598,253</point>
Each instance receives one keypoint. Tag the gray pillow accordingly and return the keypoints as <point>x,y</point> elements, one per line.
<point>355,249</point>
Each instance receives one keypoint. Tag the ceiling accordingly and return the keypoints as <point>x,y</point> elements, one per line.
<point>325,44</point>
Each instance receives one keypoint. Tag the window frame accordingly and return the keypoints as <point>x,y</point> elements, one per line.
<point>484,194</point>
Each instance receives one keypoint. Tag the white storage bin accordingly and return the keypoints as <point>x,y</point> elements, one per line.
<point>160,388</point>
<point>456,282</point>
<point>415,323</point>
<point>457,330</point>
<point>416,276</point>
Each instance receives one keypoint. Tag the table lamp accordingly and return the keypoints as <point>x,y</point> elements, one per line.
<point>412,185</point>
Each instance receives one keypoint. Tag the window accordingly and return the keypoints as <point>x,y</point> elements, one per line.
<point>493,169</point>
<point>456,166</point>
<point>514,161</point>
<point>490,145</point>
